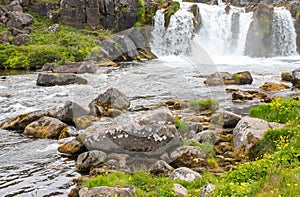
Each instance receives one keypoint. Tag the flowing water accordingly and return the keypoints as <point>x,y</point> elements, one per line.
<point>33,167</point>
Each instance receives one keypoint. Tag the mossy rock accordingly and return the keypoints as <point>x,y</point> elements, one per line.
<point>171,10</point>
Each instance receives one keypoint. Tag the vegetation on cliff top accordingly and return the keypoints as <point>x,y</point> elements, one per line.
<point>66,44</point>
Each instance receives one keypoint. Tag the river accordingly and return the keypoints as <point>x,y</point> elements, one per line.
<point>33,167</point>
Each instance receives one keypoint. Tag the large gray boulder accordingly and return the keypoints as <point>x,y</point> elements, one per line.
<point>133,135</point>
<point>225,119</point>
<point>47,79</point>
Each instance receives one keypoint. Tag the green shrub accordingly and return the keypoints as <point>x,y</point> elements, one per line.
<point>279,110</point>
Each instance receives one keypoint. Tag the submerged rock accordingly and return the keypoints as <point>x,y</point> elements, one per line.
<point>46,79</point>
<point>272,86</point>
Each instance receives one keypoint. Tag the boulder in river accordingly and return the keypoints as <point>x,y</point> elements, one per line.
<point>47,79</point>
<point>272,86</point>
<point>90,159</point>
<point>72,146</point>
<point>45,127</point>
<point>109,103</point>
<point>76,67</point>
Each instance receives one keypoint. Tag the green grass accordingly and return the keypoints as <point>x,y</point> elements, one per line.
<point>202,105</point>
<point>67,44</point>
<point>146,184</point>
<point>279,110</point>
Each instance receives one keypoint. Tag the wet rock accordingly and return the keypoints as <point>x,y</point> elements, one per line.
<point>286,76</point>
<point>161,168</point>
<point>248,132</point>
<point>207,190</point>
<point>225,119</point>
<point>242,78</point>
<point>73,146</point>
<point>90,159</point>
<point>19,122</point>
<point>179,190</point>
<point>45,79</point>
<point>130,135</point>
<point>128,191</point>
<point>259,34</point>
<point>21,39</point>
<point>111,99</point>
<point>242,95</point>
<point>188,156</point>
<point>76,67</point>
<point>70,112</point>
<point>219,78</point>
<point>209,136</point>
<point>185,174</point>
<point>296,78</point>
<point>272,86</point>
<point>83,122</point>
<point>45,127</point>
<point>18,20</point>
<point>68,132</point>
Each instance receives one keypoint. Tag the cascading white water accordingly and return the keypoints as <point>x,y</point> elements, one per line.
<point>284,35</point>
<point>221,32</point>
<point>177,37</point>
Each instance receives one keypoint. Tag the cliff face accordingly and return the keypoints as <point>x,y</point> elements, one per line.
<point>116,15</point>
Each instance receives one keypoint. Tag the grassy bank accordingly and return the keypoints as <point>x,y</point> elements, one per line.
<point>66,44</point>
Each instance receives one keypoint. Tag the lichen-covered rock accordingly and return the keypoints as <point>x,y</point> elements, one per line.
<point>248,132</point>
<point>161,168</point>
<point>272,86</point>
<point>128,191</point>
<point>18,20</point>
<point>19,122</point>
<point>185,174</point>
<point>73,146</point>
<point>83,122</point>
<point>188,156</point>
<point>225,119</point>
<point>111,99</point>
<point>132,135</point>
<point>90,159</point>
<point>242,78</point>
<point>207,190</point>
<point>47,79</point>
<point>286,76</point>
<point>179,190</point>
<point>45,127</point>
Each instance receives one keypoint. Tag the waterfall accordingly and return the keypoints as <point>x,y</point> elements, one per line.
<point>176,38</point>
<point>223,31</point>
<point>284,35</point>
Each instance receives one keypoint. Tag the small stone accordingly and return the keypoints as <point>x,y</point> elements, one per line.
<point>179,190</point>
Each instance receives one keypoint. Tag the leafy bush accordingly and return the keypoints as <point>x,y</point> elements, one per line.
<point>279,110</point>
